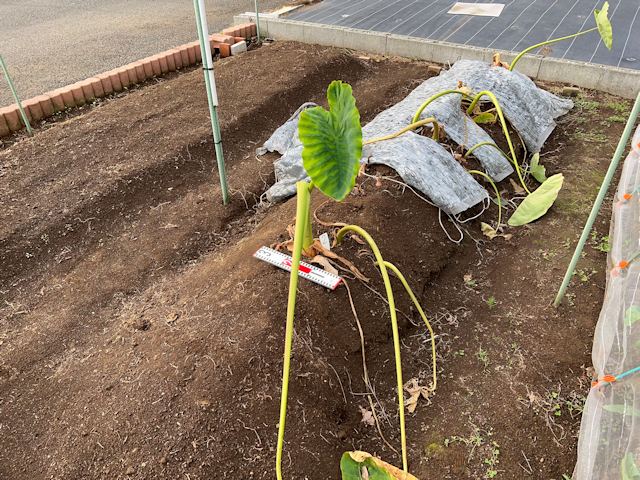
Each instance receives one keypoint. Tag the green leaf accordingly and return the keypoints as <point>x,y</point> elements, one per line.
<point>352,470</point>
<point>604,26</point>
<point>537,204</point>
<point>629,469</point>
<point>622,409</point>
<point>632,315</point>
<point>332,142</point>
<point>538,171</point>
<point>485,118</point>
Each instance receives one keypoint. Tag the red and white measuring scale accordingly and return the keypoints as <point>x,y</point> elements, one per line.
<point>285,262</point>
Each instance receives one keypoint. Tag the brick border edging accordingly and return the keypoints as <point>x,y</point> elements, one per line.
<point>119,79</point>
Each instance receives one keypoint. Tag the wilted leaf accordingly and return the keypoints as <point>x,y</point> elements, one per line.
<point>629,469</point>
<point>538,171</point>
<point>320,260</point>
<point>516,187</point>
<point>632,315</point>
<point>537,204</point>
<point>332,142</point>
<point>352,463</point>
<point>367,417</point>
<point>329,254</point>
<point>487,230</point>
<point>604,26</point>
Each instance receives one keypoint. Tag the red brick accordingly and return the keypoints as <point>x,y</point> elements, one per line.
<point>87,90</point>
<point>139,66</point>
<point>171,60</point>
<point>148,69</point>
<point>253,29</point>
<point>107,86</point>
<point>164,63</point>
<point>196,45</point>
<point>225,50</point>
<point>239,39</point>
<point>124,77</point>
<point>34,108</point>
<point>177,57</point>
<point>155,66</point>
<point>191,50</point>
<point>4,128</point>
<point>12,117</point>
<point>67,96</point>
<point>56,100</point>
<point>184,54</point>
<point>132,73</point>
<point>96,85</point>
<point>78,95</point>
<point>229,31</point>
<point>230,39</point>
<point>46,105</point>
<point>116,83</point>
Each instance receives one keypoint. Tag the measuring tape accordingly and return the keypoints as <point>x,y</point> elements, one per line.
<point>285,262</point>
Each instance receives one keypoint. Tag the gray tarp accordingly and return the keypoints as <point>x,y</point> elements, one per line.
<point>423,163</point>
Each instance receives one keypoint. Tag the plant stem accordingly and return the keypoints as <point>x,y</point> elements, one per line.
<point>504,129</point>
<point>15,96</point>
<point>491,145</point>
<point>416,117</point>
<point>413,126</point>
<point>394,269</point>
<point>394,324</point>
<point>546,43</point>
<point>302,218</point>
<point>495,189</point>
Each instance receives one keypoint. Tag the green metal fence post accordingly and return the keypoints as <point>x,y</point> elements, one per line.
<point>207,66</point>
<point>15,96</point>
<point>258,24</point>
<point>596,207</point>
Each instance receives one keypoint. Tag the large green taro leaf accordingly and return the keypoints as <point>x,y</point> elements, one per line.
<point>537,204</point>
<point>332,142</point>
<point>604,26</point>
<point>352,470</point>
<point>629,469</point>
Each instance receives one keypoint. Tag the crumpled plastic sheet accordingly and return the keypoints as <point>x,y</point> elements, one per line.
<point>610,428</point>
<point>422,162</point>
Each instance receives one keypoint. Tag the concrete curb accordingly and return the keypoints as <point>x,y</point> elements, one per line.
<point>116,80</point>
<point>617,81</point>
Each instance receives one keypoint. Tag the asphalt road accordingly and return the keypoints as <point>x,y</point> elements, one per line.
<point>48,44</point>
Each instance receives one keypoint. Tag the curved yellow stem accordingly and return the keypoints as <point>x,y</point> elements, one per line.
<point>395,270</point>
<point>504,129</point>
<point>394,324</point>
<point>416,117</point>
<point>495,190</point>
<point>413,126</point>
<point>546,43</point>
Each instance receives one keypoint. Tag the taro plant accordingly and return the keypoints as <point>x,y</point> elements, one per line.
<point>332,143</point>
<point>537,203</point>
<point>603,26</point>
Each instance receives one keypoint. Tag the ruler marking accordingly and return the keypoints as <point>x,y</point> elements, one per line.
<point>310,272</point>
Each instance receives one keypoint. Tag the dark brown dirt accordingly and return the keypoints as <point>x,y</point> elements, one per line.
<point>140,339</point>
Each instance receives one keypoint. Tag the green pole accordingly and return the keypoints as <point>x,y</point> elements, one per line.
<point>207,66</point>
<point>603,191</point>
<point>15,96</point>
<point>258,24</point>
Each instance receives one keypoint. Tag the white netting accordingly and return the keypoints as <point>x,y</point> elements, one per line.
<point>608,434</point>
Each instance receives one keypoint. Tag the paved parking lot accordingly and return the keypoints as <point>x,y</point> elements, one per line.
<point>48,44</point>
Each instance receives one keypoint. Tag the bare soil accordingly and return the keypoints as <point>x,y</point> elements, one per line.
<point>140,339</point>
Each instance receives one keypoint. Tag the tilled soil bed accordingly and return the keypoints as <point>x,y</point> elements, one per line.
<point>140,339</point>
